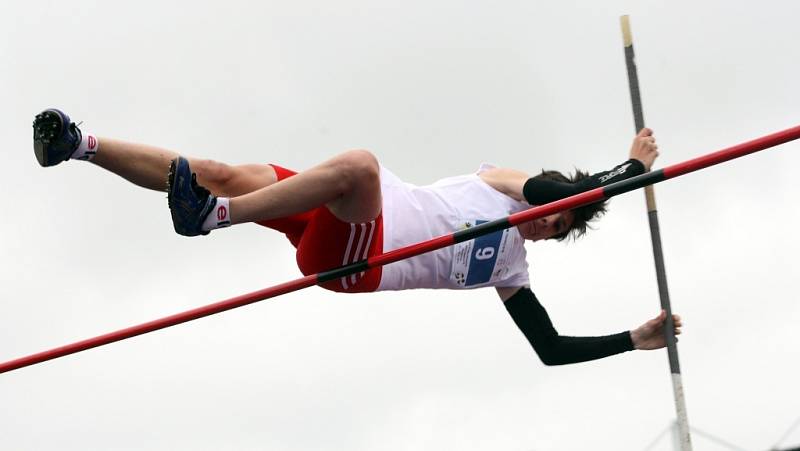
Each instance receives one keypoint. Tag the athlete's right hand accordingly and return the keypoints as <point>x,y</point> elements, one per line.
<point>644,148</point>
<point>650,335</point>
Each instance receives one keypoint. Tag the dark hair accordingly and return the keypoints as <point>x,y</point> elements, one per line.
<point>583,215</point>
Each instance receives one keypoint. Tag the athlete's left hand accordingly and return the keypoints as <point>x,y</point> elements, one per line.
<point>644,148</point>
<point>650,335</point>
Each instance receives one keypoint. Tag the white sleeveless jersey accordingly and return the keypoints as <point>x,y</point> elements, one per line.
<point>412,214</point>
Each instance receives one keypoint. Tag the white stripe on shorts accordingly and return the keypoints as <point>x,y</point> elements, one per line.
<point>369,241</point>
<point>347,252</point>
<point>358,248</point>
<point>368,231</point>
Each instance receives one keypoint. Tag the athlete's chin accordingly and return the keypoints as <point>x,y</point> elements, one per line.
<point>530,232</point>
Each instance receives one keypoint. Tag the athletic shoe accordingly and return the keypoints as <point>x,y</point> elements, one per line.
<point>188,202</point>
<point>55,137</point>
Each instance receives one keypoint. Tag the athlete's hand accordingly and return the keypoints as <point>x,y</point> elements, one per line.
<point>650,335</point>
<point>644,148</point>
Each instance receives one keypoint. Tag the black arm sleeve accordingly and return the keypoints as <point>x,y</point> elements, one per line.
<point>538,191</point>
<point>555,349</point>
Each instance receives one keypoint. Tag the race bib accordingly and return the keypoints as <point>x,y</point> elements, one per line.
<point>481,260</point>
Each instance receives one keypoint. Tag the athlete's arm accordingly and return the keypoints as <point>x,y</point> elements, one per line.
<point>554,349</point>
<point>536,191</point>
<point>508,181</point>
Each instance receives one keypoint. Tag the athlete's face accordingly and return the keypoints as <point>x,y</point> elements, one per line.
<point>547,227</point>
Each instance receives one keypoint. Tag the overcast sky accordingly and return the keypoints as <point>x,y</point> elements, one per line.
<point>433,89</point>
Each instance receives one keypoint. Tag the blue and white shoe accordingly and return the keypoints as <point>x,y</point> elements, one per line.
<point>55,137</point>
<point>189,202</point>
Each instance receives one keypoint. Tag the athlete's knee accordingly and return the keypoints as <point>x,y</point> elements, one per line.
<point>359,167</point>
<point>213,175</point>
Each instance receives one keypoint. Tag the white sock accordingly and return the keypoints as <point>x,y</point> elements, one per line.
<point>87,148</point>
<point>220,215</point>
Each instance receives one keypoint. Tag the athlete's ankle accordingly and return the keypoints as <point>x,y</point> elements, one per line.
<point>87,148</point>
<point>220,215</point>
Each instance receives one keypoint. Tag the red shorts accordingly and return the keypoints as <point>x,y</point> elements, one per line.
<point>325,242</point>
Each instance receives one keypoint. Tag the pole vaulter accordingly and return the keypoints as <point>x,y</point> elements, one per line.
<point>585,198</point>
<point>685,438</point>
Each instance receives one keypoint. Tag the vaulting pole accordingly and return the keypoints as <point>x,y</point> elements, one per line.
<point>588,197</point>
<point>684,436</point>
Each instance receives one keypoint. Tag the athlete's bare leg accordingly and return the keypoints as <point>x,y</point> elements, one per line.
<point>147,166</point>
<point>348,184</point>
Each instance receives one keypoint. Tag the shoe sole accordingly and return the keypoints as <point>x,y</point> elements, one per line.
<point>46,127</point>
<point>171,175</point>
<point>171,181</point>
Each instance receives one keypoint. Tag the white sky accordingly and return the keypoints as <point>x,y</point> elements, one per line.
<point>434,89</point>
